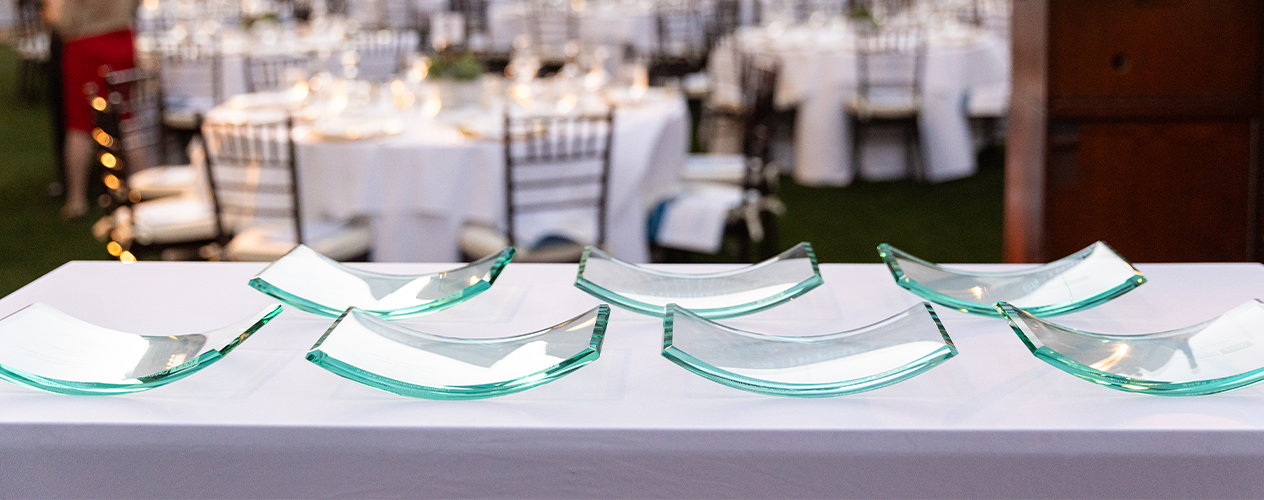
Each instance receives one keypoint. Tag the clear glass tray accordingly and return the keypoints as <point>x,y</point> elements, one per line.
<point>47,349</point>
<point>388,356</point>
<point>714,295</point>
<point>320,285</point>
<point>1079,281</point>
<point>864,359</point>
<point>1219,355</point>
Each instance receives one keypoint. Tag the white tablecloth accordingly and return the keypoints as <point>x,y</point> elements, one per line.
<point>818,74</point>
<point>417,188</point>
<point>187,83</point>
<point>603,24</point>
<point>993,422</point>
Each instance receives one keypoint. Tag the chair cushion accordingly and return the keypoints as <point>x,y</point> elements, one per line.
<point>170,220</point>
<point>477,240</point>
<point>338,241</point>
<point>894,106</point>
<point>723,168</point>
<point>162,181</point>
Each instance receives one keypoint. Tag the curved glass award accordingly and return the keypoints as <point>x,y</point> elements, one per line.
<point>47,349</point>
<point>320,285</point>
<point>1219,355</point>
<point>714,295</point>
<point>1079,281</point>
<point>364,348</point>
<point>864,359</point>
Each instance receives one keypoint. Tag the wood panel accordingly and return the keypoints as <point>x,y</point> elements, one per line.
<point>1155,48</point>
<point>1025,138</point>
<point>1156,191</point>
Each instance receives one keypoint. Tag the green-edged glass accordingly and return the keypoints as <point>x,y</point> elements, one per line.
<point>47,349</point>
<point>1219,355</point>
<point>320,285</point>
<point>364,348</point>
<point>713,295</point>
<point>1079,281</point>
<point>864,359</point>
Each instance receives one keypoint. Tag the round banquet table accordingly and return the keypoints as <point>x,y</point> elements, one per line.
<point>818,74</point>
<point>187,84</point>
<point>418,188</point>
<point>605,23</point>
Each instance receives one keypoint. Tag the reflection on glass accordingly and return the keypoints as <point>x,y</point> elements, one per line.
<point>714,295</point>
<point>1223,354</point>
<point>864,359</point>
<point>1079,281</point>
<point>388,356</point>
<point>47,349</point>
<point>320,285</point>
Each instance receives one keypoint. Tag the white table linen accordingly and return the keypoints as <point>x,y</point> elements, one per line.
<point>818,74</point>
<point>419,187</point>
<point>265,423</point>
<point>602,23</point>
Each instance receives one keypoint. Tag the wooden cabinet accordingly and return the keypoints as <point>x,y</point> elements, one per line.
<point>1136,122</point>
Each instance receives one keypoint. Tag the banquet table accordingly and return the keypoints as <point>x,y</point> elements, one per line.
<point>418,188</point>
<point>818,74</point>
<point>187,84</point>
<point>994,422</point>
<point>604,24</point>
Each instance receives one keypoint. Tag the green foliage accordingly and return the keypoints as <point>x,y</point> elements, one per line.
<point>456,66</point>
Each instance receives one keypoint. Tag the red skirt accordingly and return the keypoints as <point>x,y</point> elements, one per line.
<point>87,61</point>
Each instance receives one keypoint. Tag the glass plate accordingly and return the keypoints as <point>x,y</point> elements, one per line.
<point>317,284</point>
<point>1079,281</point>
<point>387,356</point>
<point>864,359</point>
<point>47,349</point>
<point>714,295</point>
<point>1219,355</point>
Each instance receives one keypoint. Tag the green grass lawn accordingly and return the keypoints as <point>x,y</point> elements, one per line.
<point>33,238</point>
<point>958,221</point>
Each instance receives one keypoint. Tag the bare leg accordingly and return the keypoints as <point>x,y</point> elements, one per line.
<point>79,149</point>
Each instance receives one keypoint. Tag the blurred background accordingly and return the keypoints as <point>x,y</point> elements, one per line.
<point>662,130</point>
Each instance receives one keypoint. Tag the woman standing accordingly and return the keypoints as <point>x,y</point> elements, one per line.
<point>98,38</point>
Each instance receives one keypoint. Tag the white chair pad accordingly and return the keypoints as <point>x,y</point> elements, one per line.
<point>479,240</point>
<point>173,220</point>
<point>268,243</point>
<point>162,181</point>
<point>886,108</point>
<point>723,168</point>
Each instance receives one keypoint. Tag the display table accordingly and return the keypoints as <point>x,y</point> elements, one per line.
<point>264,423</point>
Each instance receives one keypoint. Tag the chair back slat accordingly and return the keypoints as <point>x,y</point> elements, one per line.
<point>267,72</point>
<point>253,175</point>
<point>129,127</point>
<point>890,61</point>
<point>555,164</point>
